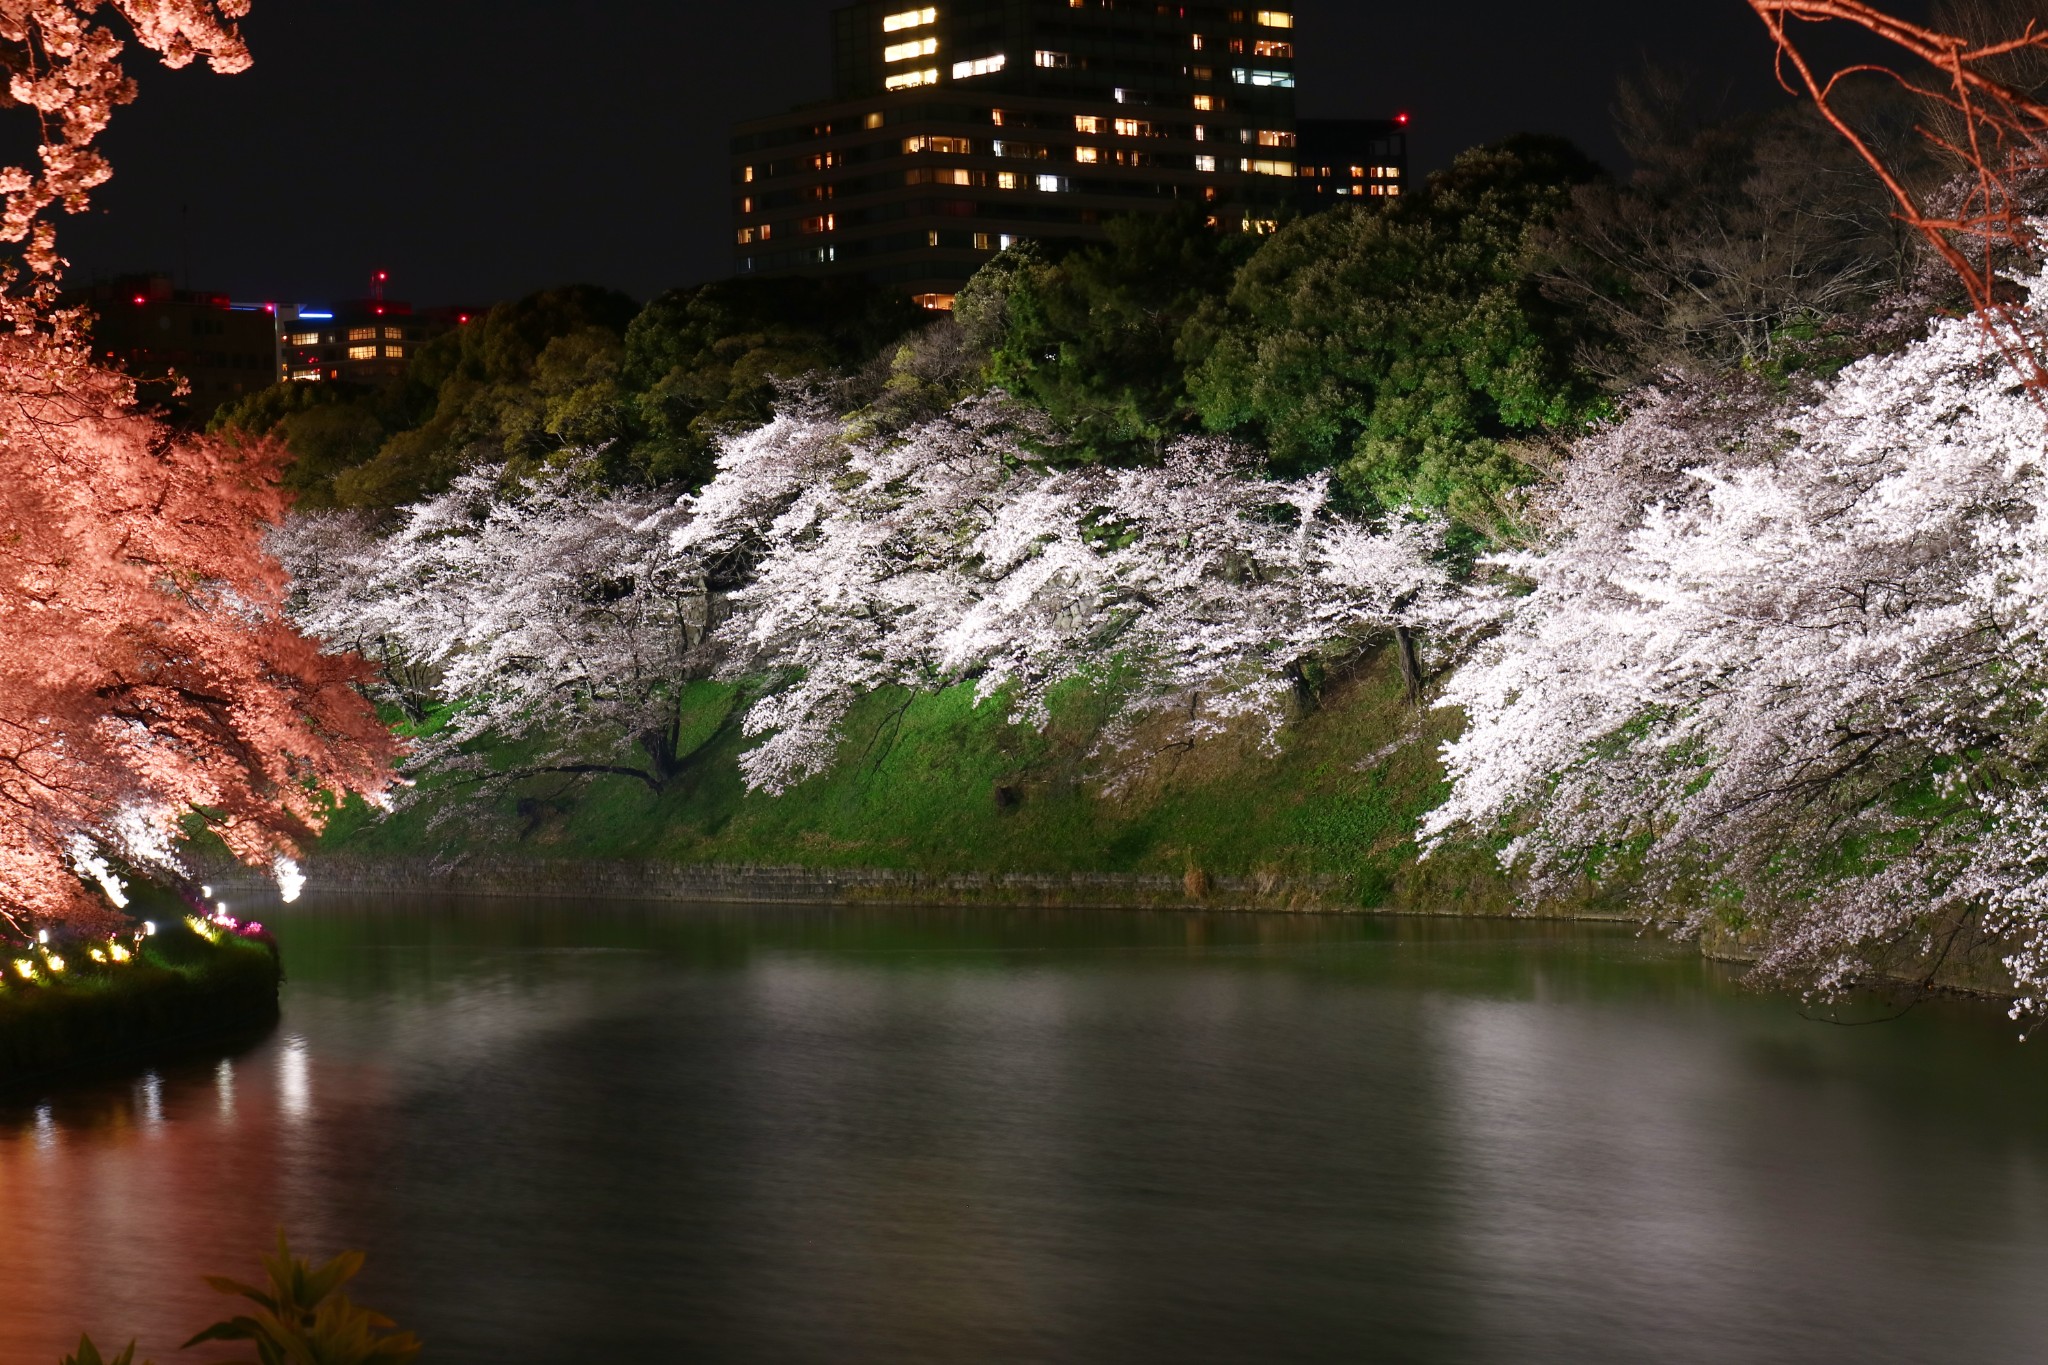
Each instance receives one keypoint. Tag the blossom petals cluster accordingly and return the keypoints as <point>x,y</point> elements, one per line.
<point>1786,651</point>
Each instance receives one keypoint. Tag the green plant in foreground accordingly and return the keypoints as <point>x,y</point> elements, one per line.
<point>89,1354</point>
<point>302,1318</point>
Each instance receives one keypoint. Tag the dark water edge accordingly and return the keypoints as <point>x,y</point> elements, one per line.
<point>580,1132</point>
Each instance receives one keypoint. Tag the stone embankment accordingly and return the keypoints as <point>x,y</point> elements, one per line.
<point>509,875</point>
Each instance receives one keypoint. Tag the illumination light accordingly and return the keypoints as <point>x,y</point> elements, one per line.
<point>25,968</point>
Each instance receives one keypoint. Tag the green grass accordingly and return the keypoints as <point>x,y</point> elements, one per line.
<point>179,986</point>
<point>932,783</point>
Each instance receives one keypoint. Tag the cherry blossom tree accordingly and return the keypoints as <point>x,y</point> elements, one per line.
<point>1788,655</point>
<point>550,612</point>
<point>147,671</point>
<point>148,674</point>
<point>825,561</point>
<point>942,555</point>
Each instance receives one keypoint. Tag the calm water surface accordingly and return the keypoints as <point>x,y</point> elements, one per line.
<point>572,1133</point>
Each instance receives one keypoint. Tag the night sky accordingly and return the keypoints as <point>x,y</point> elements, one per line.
<point>481,149</point>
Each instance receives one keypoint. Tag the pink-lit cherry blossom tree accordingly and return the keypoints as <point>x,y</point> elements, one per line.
<point>148,674</point>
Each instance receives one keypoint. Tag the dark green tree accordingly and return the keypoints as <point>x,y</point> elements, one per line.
<point>1092,337</point>
<point>1407,345</point>
<point>700,360</point>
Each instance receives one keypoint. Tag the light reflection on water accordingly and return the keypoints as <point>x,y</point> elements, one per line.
<point>597,1132</point>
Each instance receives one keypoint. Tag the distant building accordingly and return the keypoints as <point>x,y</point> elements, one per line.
<point>363,341</point>
<point>957,129</point>
<point>222,349</point>
<point>1350,158</point>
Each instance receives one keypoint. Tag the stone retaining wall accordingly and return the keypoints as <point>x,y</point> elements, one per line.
<point>500,875</point>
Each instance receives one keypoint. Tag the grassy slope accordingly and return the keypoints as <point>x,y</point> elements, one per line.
<point>934,784</point>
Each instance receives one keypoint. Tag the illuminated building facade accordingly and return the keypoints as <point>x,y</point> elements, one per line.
<point>363,341</point>
<point>151,330</point>
<point>957,129</point>
<point>1348,158</point>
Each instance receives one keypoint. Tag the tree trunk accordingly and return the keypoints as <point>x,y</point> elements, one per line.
<point>1411,664</point>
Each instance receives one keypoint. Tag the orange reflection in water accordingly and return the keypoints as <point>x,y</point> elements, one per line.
<point>114,1200</point>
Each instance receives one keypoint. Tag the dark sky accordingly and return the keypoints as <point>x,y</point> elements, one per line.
<point>480,149</point>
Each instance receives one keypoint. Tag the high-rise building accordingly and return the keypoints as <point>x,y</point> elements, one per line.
<point>957,128</point>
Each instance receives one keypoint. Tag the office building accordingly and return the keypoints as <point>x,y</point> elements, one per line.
<point>956,129</point>
<point>362,341</point>
<point>145,326</point>
<point>1343,159</point>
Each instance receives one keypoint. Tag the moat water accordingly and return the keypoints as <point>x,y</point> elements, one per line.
<point>570,1133</point>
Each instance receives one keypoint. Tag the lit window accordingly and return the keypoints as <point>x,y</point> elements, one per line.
<point>937,303</point>
<point>1198,42</point>
<point>767,231</point>
<point>304,376</point>
<point>1205,101</point>
<point>1006,180</point>
<point>932,238</point>
<point>394,334</point>
<point>395,352</point>
<point>1358,172</point>
<point>873,120</point>
<point>1052,59</point>
<point>995,116</point>
<point>1267,47</point>
<point>909,79</point>
<point>822,223</point>
<point>1393,189</point>
<point>912,18</point>
<point>1269,167</point>
<point>1054,184</point>
<point>1262,226</point>
<point>1131,127</point>
<point>1006,240</point>
<point>980,66</point>
<point>982,242</point>
<point>362,334</point>
<point>1205,163</point>
<point>747,175</point>
<point>1085,155</point>
<point>1202,73</point>
<point>1390,172</point>
<point>957,146</point>
<point>1275,18</point>
<point>1269,137</point>
<point>303,339</point>
<point>906,52</point>
<point>362,353</point>
<point>1087,123</point>
<point>1255,76</point>
<point>746,236</point>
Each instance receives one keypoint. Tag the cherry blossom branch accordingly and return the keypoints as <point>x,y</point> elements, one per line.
<point>2002,142</point>
<point>66,67</point>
